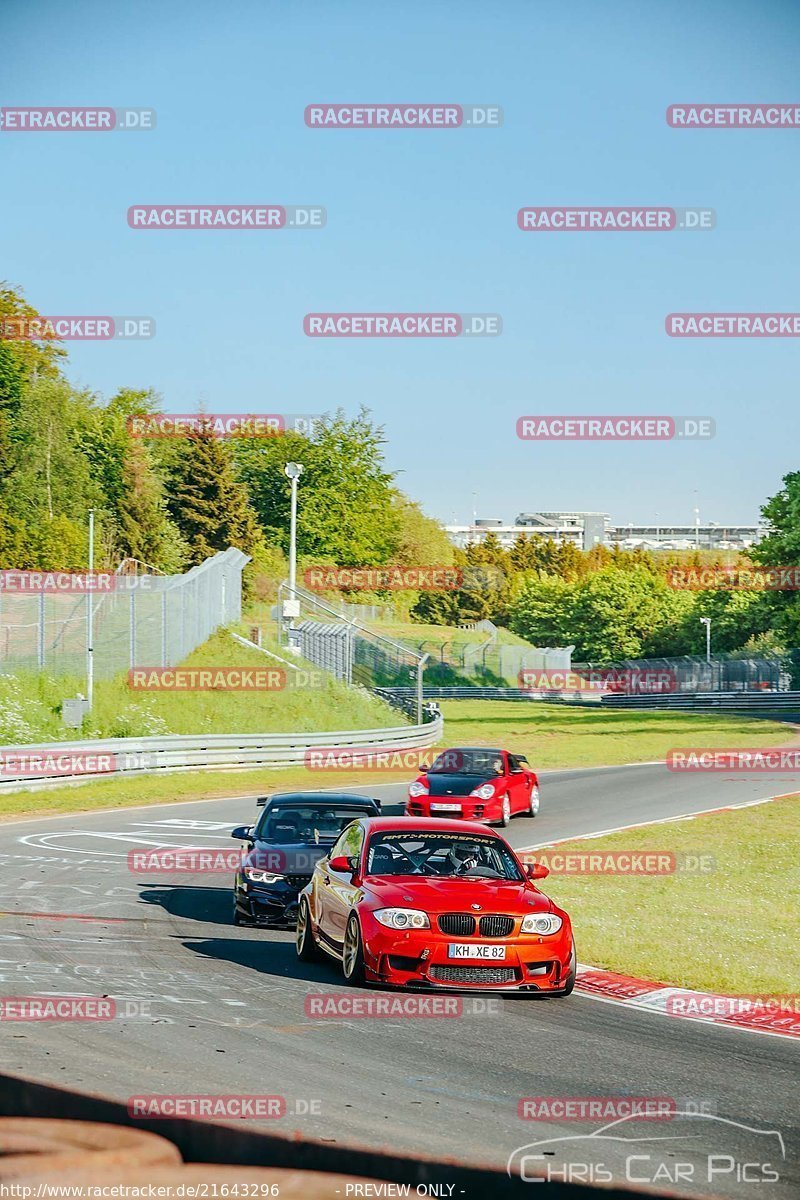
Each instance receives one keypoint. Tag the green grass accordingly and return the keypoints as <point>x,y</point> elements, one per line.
<point>733,930</point>
<point>440,635</point>
<point>554,736</point>
<point>30,704</point>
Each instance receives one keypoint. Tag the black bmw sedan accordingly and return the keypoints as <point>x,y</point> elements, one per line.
<point>293,831</point>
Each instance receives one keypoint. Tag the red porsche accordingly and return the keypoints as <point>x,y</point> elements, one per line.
<point>475,784</point>
<point>434,904</point>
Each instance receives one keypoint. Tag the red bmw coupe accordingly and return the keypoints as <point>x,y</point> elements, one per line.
<point>476,784</point>
<point>434,904</point>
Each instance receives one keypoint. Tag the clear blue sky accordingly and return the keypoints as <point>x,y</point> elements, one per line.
<point>426,221</point>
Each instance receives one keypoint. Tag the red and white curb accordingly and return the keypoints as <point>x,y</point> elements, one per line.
<point>776,1015</point>
<point>757,1014</point>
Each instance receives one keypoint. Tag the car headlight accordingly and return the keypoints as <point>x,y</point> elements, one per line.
<point>418,789</point>
<point>258,876</point>
<point>402,918</point>
<point>484,792</point>
<point>541,923</point>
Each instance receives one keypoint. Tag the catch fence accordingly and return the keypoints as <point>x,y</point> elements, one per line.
<point>141,620</point>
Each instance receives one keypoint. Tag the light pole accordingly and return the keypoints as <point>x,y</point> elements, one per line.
<point>707,622</point>
<point>90,619</point>
<point>696,528</point>
<point>293,471</point>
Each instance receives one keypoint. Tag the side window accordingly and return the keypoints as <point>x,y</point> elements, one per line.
<point>514,765</point>
<point>350,842</point>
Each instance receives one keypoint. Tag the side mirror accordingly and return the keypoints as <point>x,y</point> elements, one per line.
<point>537,871</point>
<point>242,833</point>
<point>343,864</point>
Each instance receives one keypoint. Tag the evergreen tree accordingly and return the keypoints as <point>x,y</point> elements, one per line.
<point>206,501</point>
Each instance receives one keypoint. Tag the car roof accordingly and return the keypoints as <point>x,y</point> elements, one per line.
<point>321,798</point>
<point>425,825</point>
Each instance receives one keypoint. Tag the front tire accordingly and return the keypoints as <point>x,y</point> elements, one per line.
<point>506,813</point>
<point>305,945</point>
<point>569,987</point>
<point>353,954</point>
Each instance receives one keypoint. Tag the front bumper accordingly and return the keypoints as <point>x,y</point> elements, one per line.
<point>457,808</point>
<point>420,959</point>
<point>268,904</point>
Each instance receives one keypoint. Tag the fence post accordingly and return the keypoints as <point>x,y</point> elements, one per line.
<point>40,638</point>
<point>420,692</point>
<point>132,630</point>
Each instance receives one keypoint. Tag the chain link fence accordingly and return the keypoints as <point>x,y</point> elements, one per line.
<point>142,620</point>
<point>336,642</point>
<point>692,673</point>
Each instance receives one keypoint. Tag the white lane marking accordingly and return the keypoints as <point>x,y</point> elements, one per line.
<point>46,841</point>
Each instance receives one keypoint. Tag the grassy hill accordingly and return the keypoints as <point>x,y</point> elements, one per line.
<point>30,704</point>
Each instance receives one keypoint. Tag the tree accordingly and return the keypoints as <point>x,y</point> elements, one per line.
<point>542,612</point>
<point>347,510</point>
<point>206,501</point>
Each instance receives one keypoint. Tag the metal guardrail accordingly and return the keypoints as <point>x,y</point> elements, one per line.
<point>24,766</point>
<point>433,692</point>
<point>754,703</point>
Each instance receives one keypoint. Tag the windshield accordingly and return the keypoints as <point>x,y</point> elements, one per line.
<point>451,855</point>
<point>467,762</point>
<point>311,824</point>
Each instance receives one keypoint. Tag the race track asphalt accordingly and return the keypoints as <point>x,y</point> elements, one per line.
<point>221,1009</point>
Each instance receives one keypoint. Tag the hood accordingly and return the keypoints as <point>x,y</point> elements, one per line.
<point>456,895</point>
<point>444,783</point>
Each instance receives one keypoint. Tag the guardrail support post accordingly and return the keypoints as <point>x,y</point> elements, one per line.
<point>420,692</point>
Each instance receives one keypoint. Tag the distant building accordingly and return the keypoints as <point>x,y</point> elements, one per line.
<point>588,529</point>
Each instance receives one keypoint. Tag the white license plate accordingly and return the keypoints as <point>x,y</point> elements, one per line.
<point>446,807</point>
<point>470,950</point>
